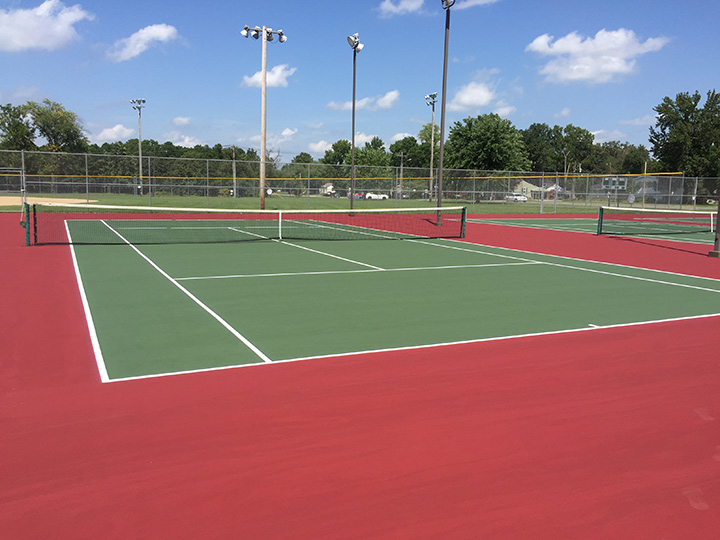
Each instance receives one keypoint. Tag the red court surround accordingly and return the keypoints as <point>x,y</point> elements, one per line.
<point>604,434</point>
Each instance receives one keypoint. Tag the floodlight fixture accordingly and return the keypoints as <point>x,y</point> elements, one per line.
<point>354,42</point>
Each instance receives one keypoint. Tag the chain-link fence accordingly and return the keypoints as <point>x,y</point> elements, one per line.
<point>114,178</point>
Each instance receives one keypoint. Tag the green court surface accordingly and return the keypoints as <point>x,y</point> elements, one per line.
<point>160,309</point>
<point>589,225</point>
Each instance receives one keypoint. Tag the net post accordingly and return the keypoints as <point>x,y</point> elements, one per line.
<point>716,247</point>
<point>600,220</point>
<point>280,220</point>
<point>25,223</point>
<point>463,220</point>
<point>34,224</point>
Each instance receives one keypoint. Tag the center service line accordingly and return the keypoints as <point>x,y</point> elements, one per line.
<point>192,297</point>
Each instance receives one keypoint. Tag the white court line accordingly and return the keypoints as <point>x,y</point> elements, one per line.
<point>682,238</point>
<point>371,271</point>
<point>580,268</point>
<point>99,360</point>
<point>576,259</point>
<point>330,255</point>
<point>553,227</point>
<point>592,328</point>
<point>466,249</point>
<point>209,311</point>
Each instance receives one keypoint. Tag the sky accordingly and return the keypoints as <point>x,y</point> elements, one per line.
<point>601,66</point>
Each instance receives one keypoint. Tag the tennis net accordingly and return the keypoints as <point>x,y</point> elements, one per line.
<point>647,221</point>
<point>100,224</point>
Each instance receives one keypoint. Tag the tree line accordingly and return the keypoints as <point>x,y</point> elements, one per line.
<point>685,138</point>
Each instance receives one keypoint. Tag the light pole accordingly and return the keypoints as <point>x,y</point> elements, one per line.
<point>234,170</point>
<point>267,35</point>
<point>138,105</point>
<point>430,99</point>
<point>446,4</point>
<point>354,42</point>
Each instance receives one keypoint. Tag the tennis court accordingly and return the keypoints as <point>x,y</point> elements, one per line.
<point>696,226</point>
<point>155,309</point>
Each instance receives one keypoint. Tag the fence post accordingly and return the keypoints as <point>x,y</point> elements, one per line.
<point>87,181</point>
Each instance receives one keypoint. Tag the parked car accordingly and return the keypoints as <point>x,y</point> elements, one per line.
<point>375,196</point>
<point>358,195</point>
<point>516,197</point>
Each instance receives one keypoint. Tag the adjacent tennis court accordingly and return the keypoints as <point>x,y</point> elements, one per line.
<point>155,309</point>
<point>696,226</point>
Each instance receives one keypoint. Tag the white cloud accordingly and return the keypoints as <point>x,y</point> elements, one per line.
<point>22,94</point>
<point>181,121</point>
<point>50,26</point>
<point>400,136</point>
<point>388,101</point>
<point>274,140</point>
<point>141,41</point>
<point>388,8</point>
<point>473,95</point>
<point>179,139</point>
<point>562,114</point>
<point>362,138</point>
<point>597,59</point>
<point>648,120</point>
<point>346,105</point>
<point>116,133</point>
<point>384,102</point>
<point>603,135</point>
<point>320,146</point>
<point>504,109</point>
<point>464,4</point>
<point>277,76</point>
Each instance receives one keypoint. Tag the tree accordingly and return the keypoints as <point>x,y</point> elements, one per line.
<point>409,152</point>
<point>303,157</point>
<point>614,157</point>
<point>426,134</point>
<point>686,136</point>
<point>16,129</point>
<point>487,142</point>
<point>575,145</point>
<point>339,153</point>
<point>372,154</point>
<point>60,128</point>
<point>539,141</point>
